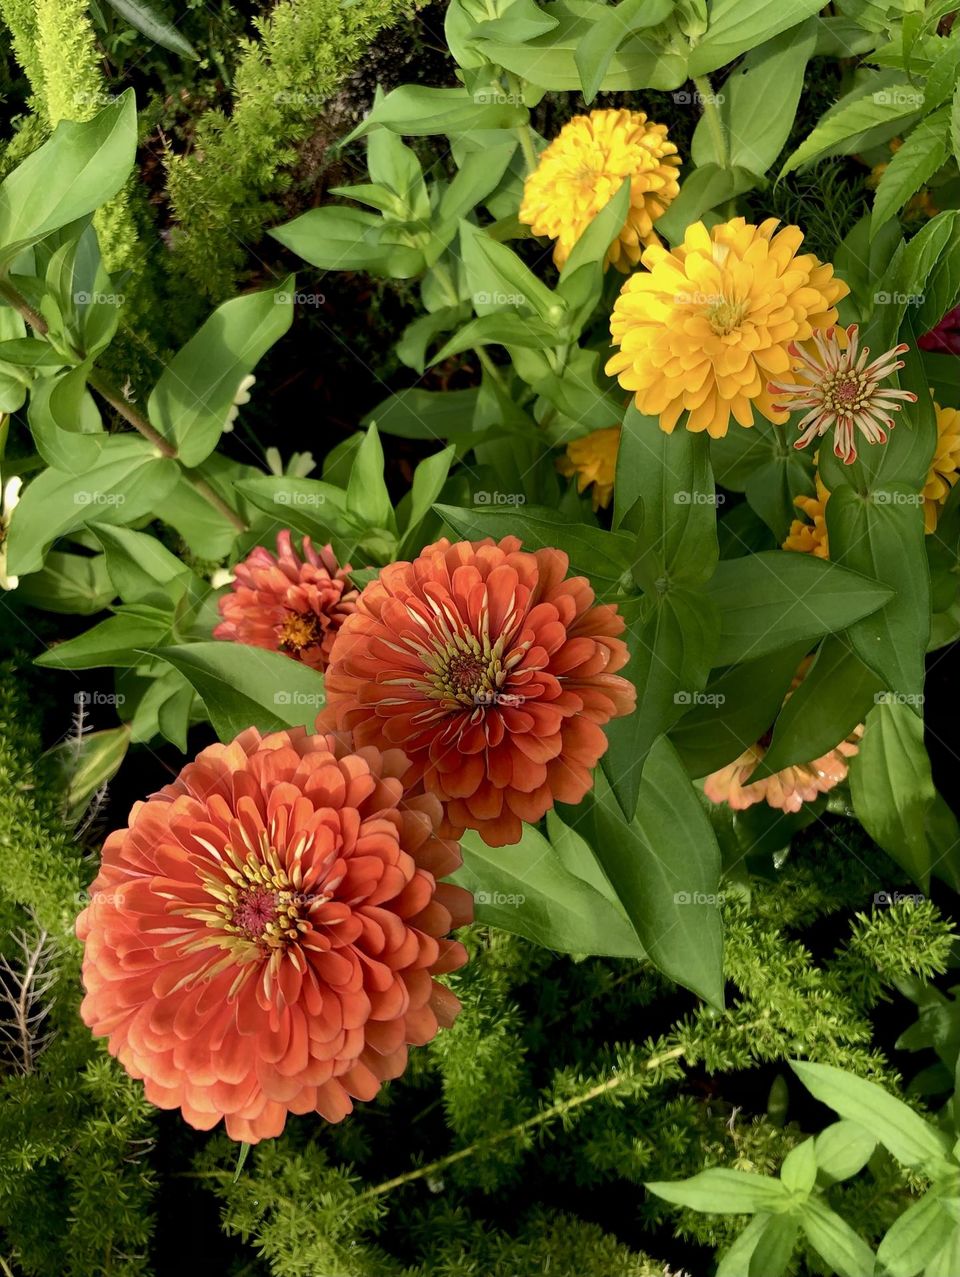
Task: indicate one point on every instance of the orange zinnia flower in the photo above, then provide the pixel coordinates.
(287, 603)
(493, 672)
(261, 939)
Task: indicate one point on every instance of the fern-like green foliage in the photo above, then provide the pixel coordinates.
(76, 1186)
(220, 192)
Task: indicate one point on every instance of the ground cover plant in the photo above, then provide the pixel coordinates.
(479, 554)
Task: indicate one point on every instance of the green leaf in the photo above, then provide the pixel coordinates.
(582, 274)
(836, 694)
(915, 1237)
(923, 151)
(86, 764)
(760, 98)
(426, 414)
(605, 35)
(121, 640)
(902, 1132)
(915, 278)
(762, 464)
(672, 646)
(892, 787)
(368, 500)
(530, 893)
(670, 476)
(601, 556)
(835, 1241)
(341, 238)
(549, 61)
(497, 279)
(845, 127)
(768, 601)
(72, 583)
(428, 480)
(137, 563)
(130, 480)
(579, 858)
(704, 189)
(245, 686)
(725, 1192)
(65, 422)
(842, 1149)
(882, 537)
(502, 329)
(418, 335)
(416, 111)
(78, 169)
(799, 1169)
(154, 26)
(736, 26)
(735, 709)
(190, 403)
(664, 866)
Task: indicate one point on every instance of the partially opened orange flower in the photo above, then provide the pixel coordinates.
(593, 459)
(786, 790)
(263, 937)
(809, 536)
(491, 670)
(286, 603)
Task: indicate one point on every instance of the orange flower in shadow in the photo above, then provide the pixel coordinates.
(493, 672)
(263, 937)
(288, 604)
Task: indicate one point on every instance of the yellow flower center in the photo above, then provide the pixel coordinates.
(726, 316)
(844, 392)
(300, 630)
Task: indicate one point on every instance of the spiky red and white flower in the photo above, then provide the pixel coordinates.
(840, 390)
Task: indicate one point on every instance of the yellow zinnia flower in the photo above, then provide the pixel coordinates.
(810, 538)
(705, 327)
(944, 466)
(593, 459)
(584, 167)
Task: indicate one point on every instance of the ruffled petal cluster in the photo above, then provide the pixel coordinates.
(809, 535)
(704, 327)
(584, 167)
(492, 671)
(288, 604)
(263, 937)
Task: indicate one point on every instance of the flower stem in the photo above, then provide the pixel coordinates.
(539, 1119)
(105, 388)
(524, 132)
(711, 113)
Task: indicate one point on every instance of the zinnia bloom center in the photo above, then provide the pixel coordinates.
(300, 630)
(725, 316)
(470, 677)
(257, 904)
